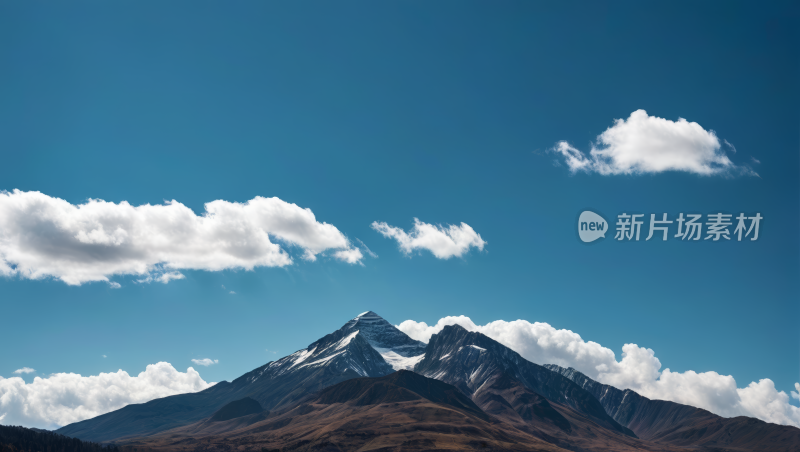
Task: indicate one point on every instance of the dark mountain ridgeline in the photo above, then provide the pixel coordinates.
(401, 386)
(468, 359)
(682, 425)
(503, 395)
(21, 439)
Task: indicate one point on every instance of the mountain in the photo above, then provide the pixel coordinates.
(467, 360)
(344, 354)
(401, 411)
(466, 389)
(682, 425)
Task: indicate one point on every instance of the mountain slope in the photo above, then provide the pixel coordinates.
(341, 355)
(682, 425)
(402, 411)
(506, 398)
(467, 360)
(401, 386)
(237, 408)
(156, 415)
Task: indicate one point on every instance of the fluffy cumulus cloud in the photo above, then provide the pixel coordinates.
(205, 361)
(42, 236)
(443, 241)
(24, 370)
(648, 144)
(64, 398)
(639, 369)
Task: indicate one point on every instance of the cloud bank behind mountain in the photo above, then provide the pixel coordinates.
(639, 369)
(64, 398)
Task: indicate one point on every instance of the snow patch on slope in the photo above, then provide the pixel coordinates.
(345, 340)
(397, 361)
(302, 355)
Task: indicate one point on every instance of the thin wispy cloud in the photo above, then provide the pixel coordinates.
(644, 144)
(43, 236)
(24, 370)
(639, 369)
(369, 252)
(161, 276)
(205, 361)
(443, 241)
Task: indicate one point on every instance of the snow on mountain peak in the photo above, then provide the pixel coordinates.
(366, 317)
(359, 346)
(396, 347)
(341, 351)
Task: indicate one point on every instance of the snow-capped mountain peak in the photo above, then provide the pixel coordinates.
(396, 347)
(367, 345)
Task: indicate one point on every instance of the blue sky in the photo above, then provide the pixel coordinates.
(367, 111)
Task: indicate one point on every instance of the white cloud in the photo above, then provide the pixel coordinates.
(64, 398)
(351, 256)
(443, 242)
(639, 369)
(205, 361)
(24, 370)
(161, 276)
(648, 144)
(232, 292)
(104, 356)
(42, 236)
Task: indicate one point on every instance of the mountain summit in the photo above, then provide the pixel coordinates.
(397, 349)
